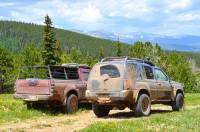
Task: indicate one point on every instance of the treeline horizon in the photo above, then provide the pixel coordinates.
(23, 45)
(15, 35)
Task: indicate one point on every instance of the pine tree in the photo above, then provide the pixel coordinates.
(31, 56)
(58, 51)
(49, 53)
(101, 53)
(119, 48)
(75, 55)
(6, 67)
(137, 50)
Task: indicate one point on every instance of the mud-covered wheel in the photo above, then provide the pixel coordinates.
(100, 110)
(143, 106)
(30, 105)
(178, 103)
(71, 104)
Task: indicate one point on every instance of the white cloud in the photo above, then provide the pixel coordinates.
(189, 16)
(124, 8)
(111, 15)
(89, 14)
(3, 18)
(178, 4)
(6, 4)
(83, 13)
(76, 13)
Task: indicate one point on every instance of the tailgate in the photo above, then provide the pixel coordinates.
(33, 86)
(106, 78)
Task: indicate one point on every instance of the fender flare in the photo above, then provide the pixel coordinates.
(141, 90)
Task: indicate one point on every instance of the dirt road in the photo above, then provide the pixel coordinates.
(70, 123)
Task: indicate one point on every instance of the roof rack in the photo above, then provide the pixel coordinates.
(74, 65)
(114, 58)
(125, 58)
(63, 65)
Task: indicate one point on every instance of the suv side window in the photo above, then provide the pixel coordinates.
(148, 72)
(159, 75)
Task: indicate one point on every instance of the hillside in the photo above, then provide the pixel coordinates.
(14, 35)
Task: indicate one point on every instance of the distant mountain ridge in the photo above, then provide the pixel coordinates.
(180, 43)
(15, 35)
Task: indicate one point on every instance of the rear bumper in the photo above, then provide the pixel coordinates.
(110, 97)
(28, 97)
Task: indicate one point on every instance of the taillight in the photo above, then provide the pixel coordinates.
(126, 84)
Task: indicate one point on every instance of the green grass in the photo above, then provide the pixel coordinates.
(187, 120)
(192, 99)
(12, 110)
(15, 110)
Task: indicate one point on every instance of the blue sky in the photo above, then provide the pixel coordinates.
(164, 17)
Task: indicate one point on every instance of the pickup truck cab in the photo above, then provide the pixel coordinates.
(64, 85)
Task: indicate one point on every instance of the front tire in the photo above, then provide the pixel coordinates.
(143, 106)
(100, 110)
(178, 103)
(71, 104)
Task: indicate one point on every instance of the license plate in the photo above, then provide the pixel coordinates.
(32, 98)
(103, 97)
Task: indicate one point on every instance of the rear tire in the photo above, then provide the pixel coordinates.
(71, 104)
(143, 106)
(100, 110)
(31, 105)
(178, 103)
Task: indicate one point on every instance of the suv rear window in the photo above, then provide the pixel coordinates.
(111, 70)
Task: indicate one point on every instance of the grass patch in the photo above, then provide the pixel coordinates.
(12, 110)
(171, 121)
(187, 120)
(192, 99)
(15, 110)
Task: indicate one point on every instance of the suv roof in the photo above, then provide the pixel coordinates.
(126, 58)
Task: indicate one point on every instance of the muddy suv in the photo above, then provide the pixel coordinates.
(54, 85)
(134, 83)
